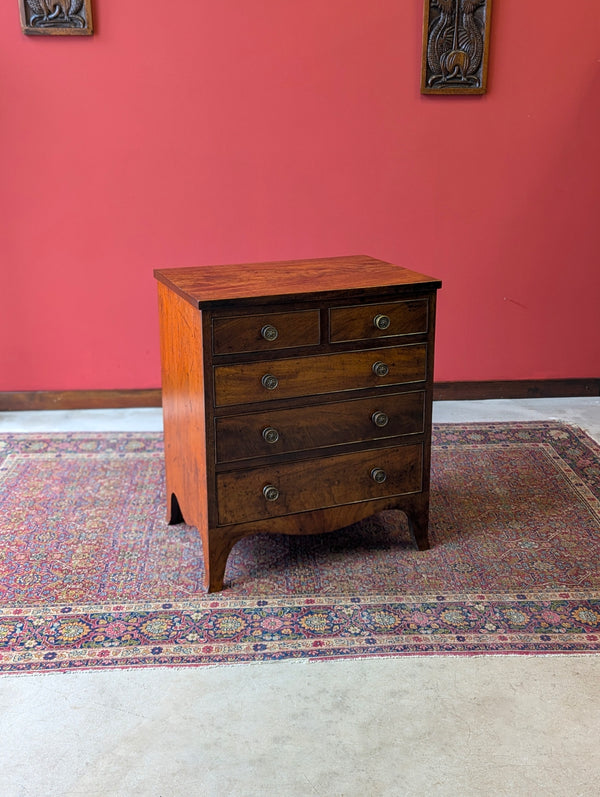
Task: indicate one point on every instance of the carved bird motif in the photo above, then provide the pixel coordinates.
(472, 40)
(436, 45)
(455, 45)
(49, 12)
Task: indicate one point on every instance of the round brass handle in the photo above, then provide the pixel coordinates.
(380, 419)
(269, 381)
(270, 434)
(270, 493)
(380, 369)
(269, 332)
(378, 475)
(381, 321)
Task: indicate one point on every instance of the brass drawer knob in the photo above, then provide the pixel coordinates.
(270, 493)
(270, 434)
(269, 332)
(381, 321)
(269, 381)
(380, 419)
(380, 369)
(378, 475)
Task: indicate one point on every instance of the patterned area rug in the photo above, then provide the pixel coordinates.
(91, 576)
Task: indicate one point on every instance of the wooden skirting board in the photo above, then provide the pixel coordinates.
(516, 389)
(78, 399)
(443, 391)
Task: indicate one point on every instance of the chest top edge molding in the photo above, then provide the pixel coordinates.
(206, 286)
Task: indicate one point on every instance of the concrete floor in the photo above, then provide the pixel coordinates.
(504, 725)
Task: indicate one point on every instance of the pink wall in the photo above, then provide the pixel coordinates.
(235, 131)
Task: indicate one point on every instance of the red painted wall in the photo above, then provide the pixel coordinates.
(214, 132)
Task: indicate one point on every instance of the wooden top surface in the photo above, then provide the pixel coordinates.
(301, 278)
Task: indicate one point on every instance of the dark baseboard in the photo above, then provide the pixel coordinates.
(443, 391)
(79, 399)
(516, 389)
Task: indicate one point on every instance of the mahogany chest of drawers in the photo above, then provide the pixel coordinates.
(296, 397)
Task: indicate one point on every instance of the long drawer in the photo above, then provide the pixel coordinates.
(268, 380)
(261, 434)
(248, 495)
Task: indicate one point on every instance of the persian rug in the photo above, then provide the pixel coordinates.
(91, 575)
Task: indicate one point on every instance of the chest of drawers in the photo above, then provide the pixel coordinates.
(296, 397)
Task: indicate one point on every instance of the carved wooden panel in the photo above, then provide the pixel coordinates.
(456, 35)
(56, 17)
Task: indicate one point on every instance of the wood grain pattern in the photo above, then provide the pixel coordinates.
(321, 426)
(183, 411)
(288, 279)
(244, 333)
(359, 321)
(331, 481)
(327, 373)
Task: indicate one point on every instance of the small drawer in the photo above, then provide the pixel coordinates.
(261, 434)
(378, 320)
(270, 380)
(265, 332)
(288, 488)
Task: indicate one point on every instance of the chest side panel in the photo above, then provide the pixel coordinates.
(183, 404)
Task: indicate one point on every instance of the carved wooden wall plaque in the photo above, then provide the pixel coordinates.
(456, 35)
(56, 17)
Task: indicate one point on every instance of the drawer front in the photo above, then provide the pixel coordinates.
(285, 489)
(265, 332)
(261, 434)
(378, 320)
(310, 376)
